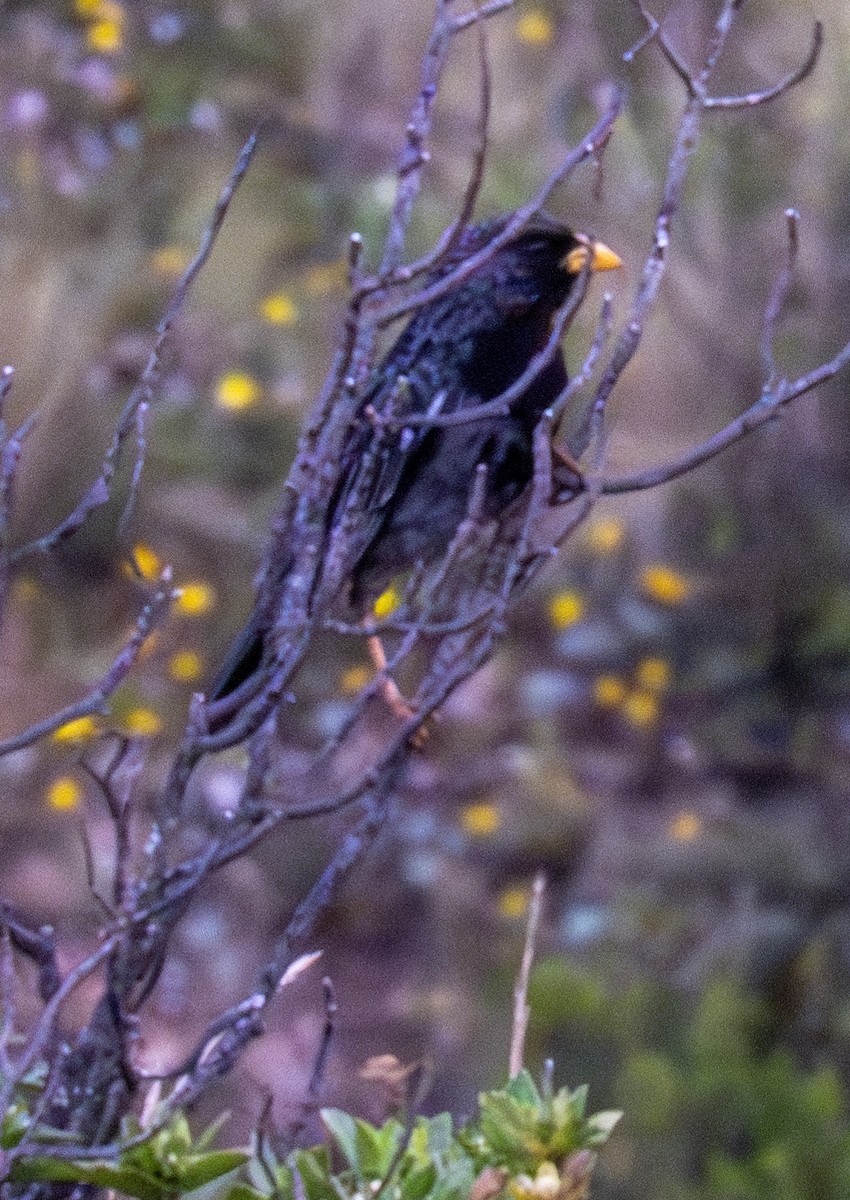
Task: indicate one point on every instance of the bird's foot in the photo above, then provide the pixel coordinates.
(567, 475)
(392, 695)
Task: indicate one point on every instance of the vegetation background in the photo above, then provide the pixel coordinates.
(666, 731)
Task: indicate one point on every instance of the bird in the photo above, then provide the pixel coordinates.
(462, 348)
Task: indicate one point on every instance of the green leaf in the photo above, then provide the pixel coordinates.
(377, 1148)
(124, 1179)
(16, 1122)
(523, 1089)
(197, 1169)
(343, 1129)
(243, 1191)
(314, 1170)
(600, 1126)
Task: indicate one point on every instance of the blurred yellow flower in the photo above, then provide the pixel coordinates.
(480, 820)
(78, 730)
(685, 827)
(387, 602)
(354, 679)
(171, 261)
(64, 794)
(653, 674)
(142, 722)
(91, 10)
(609, 691)
(237, 390)
(664, 584)
(106, 34)
(513, 903)
(606, 536)
(565, 608)
(194, 599)
(640, 708)
(185, 666)
(535, 28)
(148, 561)
(279, 309)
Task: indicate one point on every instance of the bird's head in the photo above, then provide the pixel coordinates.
(535, 269)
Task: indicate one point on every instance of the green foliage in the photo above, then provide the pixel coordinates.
(518, 1128)
(168, 1164)
(519, 1132)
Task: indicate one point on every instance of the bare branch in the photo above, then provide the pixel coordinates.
(416, 153)
(655, 33)
(132, 415)
(752, 99)
(767, 408)
(152, 615)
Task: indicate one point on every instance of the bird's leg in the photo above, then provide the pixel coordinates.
(567, 475)
(390, 690)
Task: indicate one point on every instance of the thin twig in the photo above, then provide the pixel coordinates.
(521, 1008)
(778, 297)
(142, 394)
(766, 408)
(151, 616)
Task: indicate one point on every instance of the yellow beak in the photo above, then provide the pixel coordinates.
(602, 257)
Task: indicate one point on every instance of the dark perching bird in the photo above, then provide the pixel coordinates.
(458, 351)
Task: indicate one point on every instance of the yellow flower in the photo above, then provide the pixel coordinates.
(606, 536)
(142, 722)
(194, 599)
(98, 10)
(185, 666)
(640, 708)
(387, 602)
(513, 903)
(535, 28)
(237, 390)
(685, 827)
(64, 794)
(653, 674)
(148, 561)
(354, 679)
(480, 820)
(279, 309)
(78, 730)
(106, 36)
(609, 691)
(664, 584)
(565, 608)
(170, 261)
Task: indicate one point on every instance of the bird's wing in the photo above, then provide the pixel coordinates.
(374, 457)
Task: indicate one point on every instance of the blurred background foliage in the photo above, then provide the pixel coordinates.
(667, 729)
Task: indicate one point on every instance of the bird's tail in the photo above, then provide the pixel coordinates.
(241, 661)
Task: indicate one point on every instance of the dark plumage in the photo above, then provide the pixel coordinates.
(461, 349)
